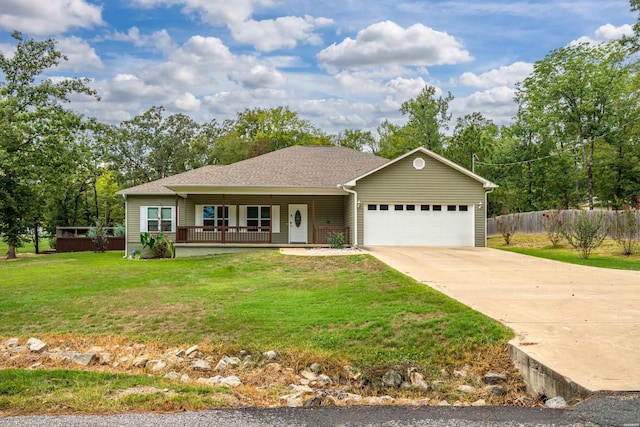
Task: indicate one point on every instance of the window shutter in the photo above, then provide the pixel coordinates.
(143, 219)
(233, 217)
(243, 215)
(275, 218)
(199, 219)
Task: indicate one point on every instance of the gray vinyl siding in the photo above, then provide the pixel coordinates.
(133, 215)
(329, 210)
(437, 183)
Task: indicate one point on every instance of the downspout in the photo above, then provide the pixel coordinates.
(355, 212)
(126, 227)
(485, 215)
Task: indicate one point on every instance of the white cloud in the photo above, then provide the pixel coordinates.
(506, 75)
(80, 55)
(283, 32)
(258, 76)
(606, 33)
(387, 43)
(204, 50)
(158, 39)
(48, 16)
(187, 102)
(496, 104)
(213, 12)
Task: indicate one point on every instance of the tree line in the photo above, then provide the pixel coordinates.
(575, 139)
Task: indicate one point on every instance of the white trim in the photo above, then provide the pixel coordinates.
(485, 183)
(200, 214)
(144, 220)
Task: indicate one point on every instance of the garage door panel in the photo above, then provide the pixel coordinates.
(418, 228)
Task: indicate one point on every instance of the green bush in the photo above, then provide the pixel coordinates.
(99, 236)
(585, 232)
(626, 229)
(336, 240)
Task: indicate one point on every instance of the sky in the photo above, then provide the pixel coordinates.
(341, 64)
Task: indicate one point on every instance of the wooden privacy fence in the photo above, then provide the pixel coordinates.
(75, 239)
(532, 222)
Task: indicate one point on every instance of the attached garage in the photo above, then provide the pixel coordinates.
(419, 199)
(408, 224)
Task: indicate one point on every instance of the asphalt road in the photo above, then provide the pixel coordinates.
(620, 410)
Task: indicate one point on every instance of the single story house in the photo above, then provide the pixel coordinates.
(300, 195)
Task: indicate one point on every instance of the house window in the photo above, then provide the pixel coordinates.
(463, 208)
(258, 216)
(399, 207)
(255, 216)
(451, 208)
(437, 207)
(411, 207)
(215, 216)
(372, 207)
(155, 219)
(424, 207)
(384, 207)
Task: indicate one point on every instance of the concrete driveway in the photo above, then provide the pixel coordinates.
(582, 322)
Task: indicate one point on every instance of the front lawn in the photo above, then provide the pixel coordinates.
(351, 307)
(609, 255)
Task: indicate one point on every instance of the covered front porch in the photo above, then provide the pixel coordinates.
(254, 219)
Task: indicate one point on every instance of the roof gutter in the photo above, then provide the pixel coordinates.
(355, 211)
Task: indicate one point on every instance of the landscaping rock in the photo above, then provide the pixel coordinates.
(381, 400)
(140, 362)
(556, 403)
(222, 364)
(12, 342)
(83, 359)
(466, 389)
(315, 368)
(156, 365)
(479, 402)
(270, 355)
(18, 348)
(201, 365)
(392, 379)
(36, 346)
(105, 358)
(190, 350)
(308, 375)
(444, 403)
(497, 391)
(325, 380)
(273, 368)
(417, 380)
(493, 379)
(231, 381)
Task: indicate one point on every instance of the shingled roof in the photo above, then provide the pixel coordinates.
(292, 167)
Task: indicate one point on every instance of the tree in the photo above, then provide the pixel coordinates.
(473, 136)
(151, 146)
(428, 116)
(33, 128)
(571, 96)
(259, 131)
(357, 140)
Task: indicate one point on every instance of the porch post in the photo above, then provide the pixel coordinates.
(313, 219)
(272, 218)
(177, 219)
(225, 218)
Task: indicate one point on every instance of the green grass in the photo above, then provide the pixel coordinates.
(26, 248)
(350, 307)
(607, 256)
(61, 391)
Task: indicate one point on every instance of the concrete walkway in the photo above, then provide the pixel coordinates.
(582, 322)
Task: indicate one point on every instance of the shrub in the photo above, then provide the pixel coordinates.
(99, 236)
(53, 241)
(119, 230)
(585, 232)
(552, 223)
(507, 226)
(625, 229)
(336, 240)
(159, 245)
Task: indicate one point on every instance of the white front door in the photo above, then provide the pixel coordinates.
(297, 223)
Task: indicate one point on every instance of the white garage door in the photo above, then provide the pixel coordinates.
(418, 225)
